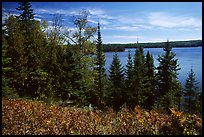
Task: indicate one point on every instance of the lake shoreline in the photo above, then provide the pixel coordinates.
(174, 44)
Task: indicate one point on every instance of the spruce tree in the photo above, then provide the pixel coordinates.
(7, 88)
(129, 81)
(150, 82)
(100, 70)
(138, 95)
(166, 77)
(116, 77)
(26, 41)
(198, 103)
(190, 93)
(26, 17)
(83, 50)
(15, 51)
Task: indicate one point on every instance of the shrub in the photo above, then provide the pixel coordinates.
(20, 117)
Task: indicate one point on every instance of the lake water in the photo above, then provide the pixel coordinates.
(187, 57)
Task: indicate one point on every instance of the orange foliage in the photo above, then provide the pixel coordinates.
(21, 117)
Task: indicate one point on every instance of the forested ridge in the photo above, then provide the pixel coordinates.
(37, 67)
(175, 44)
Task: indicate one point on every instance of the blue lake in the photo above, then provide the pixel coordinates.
(187, 57)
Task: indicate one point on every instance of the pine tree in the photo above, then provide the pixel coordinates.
(129, 81)
(26, 17)
(7, 88)
(129, 69)
(166, 77)
(117, 80)
(190, 92)
(83, 54)
(138, 96)
(26, 42)
(100, 63)
(198, 103)
(150, 82)
(15, 50)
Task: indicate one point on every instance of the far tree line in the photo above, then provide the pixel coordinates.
(175, 44)
(36, 64)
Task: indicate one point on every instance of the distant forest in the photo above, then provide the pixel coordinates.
(121, 47)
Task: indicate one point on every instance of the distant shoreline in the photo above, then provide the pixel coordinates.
(174, 44)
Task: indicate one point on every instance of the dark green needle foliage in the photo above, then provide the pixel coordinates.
(117, 83)
(150, 81)
(191, 99)
(138, 95)
(100, 78)
(166, 77)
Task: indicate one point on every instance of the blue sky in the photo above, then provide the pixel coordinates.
(124, 22)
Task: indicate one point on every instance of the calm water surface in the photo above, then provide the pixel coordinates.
(187, 57)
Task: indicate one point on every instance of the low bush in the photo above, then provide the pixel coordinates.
(20, 117)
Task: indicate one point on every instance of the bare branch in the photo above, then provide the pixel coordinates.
(67, 35)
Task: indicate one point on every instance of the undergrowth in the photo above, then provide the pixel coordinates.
(20, 117)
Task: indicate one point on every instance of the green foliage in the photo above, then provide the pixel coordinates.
(121, 47)
(129, 81)
(191, 93)
(7, 90)
(26, 18)
(50, 65)
(100, 78)
(150, 81)
(138, 95)
(166, 77)
(117, 83)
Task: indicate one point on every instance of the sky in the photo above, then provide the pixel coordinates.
(126, 22)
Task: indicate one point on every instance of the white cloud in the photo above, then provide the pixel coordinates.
(128, 27)
(99, 13)
(50, 22)
(96, 12)
(121, 39)
(166, 20)
(126, 37)
(92, 21)
(129, 19)
(102, 21)
(38, 19)
(37, 15)
(55, 11)
(190, 29)
(68, 12)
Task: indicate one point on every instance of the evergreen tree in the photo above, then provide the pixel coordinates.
(198, 103)
(166, 77)
(138, 96)
(26, 17)
(100, 77)
(190, 93)
(130, 70)
(26, 42)
(15, 50)
(83, 54)
(7, 89)
(116, 77)
(178, 95)
(129, 81)
(150, 82)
